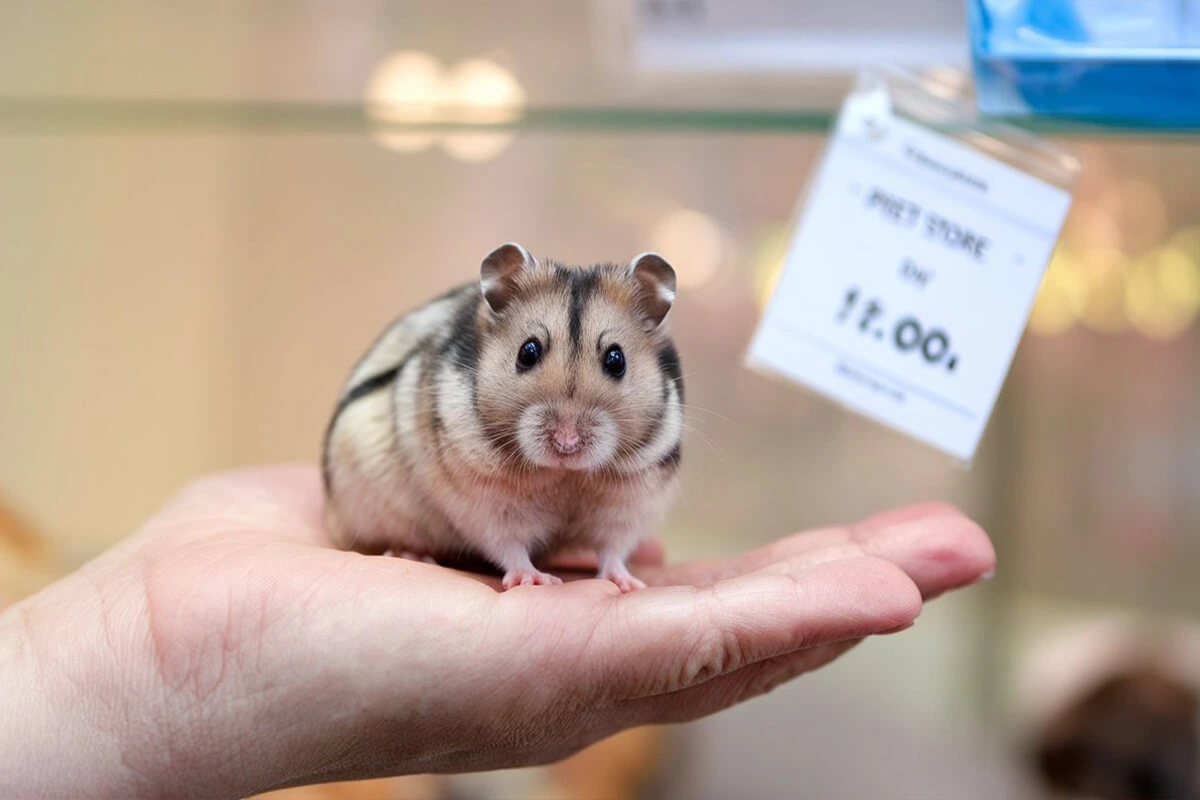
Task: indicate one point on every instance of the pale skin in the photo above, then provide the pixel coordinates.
(226, 648)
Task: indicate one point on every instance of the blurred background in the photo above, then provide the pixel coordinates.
(209, 209)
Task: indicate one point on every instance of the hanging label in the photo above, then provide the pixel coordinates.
(910, 276)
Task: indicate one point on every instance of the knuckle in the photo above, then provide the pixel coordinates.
(711, 651)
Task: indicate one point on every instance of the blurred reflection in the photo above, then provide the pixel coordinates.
(411, 87)
(1114, 711)
(481, 91)
(1133, 737)
(405, 88)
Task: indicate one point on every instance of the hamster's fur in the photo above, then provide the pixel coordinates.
(495, 421)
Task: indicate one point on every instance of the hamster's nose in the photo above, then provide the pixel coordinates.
(565, 437)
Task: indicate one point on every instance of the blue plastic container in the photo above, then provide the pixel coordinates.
(1126, 62)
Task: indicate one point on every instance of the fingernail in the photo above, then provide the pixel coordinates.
(899, 628)
(987, 576)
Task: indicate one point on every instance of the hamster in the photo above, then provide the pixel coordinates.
(536, 410)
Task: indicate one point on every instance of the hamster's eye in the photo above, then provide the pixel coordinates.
(614, 361)
(529, 354)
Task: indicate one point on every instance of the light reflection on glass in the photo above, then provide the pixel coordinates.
(404, 88)
(481, 91)
(413, 87)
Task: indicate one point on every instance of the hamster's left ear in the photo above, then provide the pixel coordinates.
(656, 287)
(499, 272)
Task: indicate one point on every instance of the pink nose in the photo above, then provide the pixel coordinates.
(565, 438)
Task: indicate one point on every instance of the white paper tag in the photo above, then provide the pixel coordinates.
(910, 276)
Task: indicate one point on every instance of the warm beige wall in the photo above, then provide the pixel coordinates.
(116, 268)
(115, 326)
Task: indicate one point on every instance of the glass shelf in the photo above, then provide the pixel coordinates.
(85, 115)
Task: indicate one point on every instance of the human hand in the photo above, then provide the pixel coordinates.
(226, 648)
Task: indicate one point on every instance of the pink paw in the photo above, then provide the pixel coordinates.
(529, 577)
(408, 555)
(623, 580)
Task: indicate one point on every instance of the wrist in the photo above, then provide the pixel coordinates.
(64, 731)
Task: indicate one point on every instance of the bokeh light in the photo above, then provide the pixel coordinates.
(1105, 272)
(1061, 297)
(1187, 240)
(770, 253)
(405, 88)
(1163, 293)
(482, 92)
(412, 87)
(692, 242)
(1179, 276)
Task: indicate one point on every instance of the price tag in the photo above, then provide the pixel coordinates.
(910, 276)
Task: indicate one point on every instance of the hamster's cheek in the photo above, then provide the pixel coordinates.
(605, 437)
(531, 425)
(643, 405)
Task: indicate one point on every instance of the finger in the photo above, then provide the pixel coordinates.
(737, 687)
(939, 547)
(936, 545)
(665, 639)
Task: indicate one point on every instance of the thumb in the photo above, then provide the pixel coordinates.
(663, 640)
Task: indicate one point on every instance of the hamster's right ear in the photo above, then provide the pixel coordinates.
(499, 272)
(656, 287)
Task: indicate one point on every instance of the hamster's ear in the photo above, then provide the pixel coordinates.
(656, 287)
(498, 274)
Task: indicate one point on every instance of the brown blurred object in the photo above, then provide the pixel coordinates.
(27, 562)
(618, 768)
(413, 787)
(1132, 737)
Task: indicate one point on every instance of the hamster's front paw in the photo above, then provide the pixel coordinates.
(618, 573)
(529, 577)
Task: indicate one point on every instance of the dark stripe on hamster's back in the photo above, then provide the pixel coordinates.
(462, 341)
(359, 391)
(669, 366)
(371, 385)
(584, 283)
(671, 371)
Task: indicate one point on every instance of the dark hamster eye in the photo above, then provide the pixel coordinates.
(614, 362)
(529, 354)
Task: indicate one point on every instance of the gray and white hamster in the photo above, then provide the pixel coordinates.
(536, 410)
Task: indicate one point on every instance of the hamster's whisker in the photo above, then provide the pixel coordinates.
(709, 411)
(708, 440)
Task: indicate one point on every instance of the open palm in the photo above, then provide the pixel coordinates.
(226, 648)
